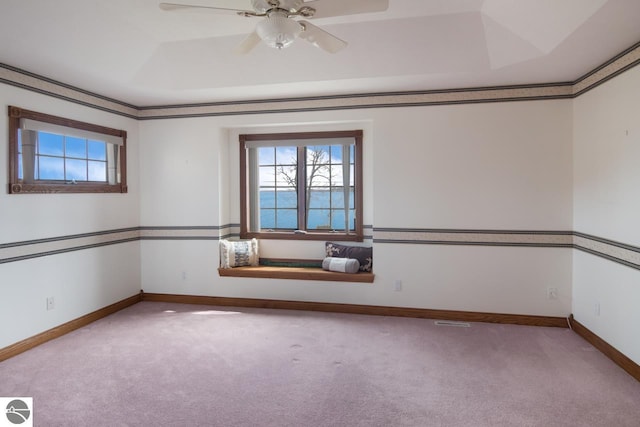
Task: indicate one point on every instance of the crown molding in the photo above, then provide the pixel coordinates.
(564, 90)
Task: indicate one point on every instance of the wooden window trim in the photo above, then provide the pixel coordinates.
(17, 186)
(356, 236)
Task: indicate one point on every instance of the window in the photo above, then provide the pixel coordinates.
(301, 186)
(57, 155)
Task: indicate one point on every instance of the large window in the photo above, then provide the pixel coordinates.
(301, 185)
(57, 155)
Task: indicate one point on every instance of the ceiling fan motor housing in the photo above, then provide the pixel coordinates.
(263, 6)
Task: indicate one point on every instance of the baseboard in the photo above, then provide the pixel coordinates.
(607, 349)
(65, 328)
(424, 313)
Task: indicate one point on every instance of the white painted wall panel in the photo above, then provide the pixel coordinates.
(605, 300)
(179, 172)
(472, 278)
(81, 281)
(606, 147)
(606, 158)
(490, 166)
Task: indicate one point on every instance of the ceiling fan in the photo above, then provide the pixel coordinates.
(279, 27)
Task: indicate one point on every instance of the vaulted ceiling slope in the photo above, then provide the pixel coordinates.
(137, 53)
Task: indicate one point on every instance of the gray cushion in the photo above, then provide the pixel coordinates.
(363, 254)
(342, 265)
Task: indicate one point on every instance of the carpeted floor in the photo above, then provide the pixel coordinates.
(158, 364)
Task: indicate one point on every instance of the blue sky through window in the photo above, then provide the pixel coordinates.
(75, 147)
(67, 158)
(50, 144)
(97, 150)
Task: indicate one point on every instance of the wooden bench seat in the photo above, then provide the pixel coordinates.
(298, 273)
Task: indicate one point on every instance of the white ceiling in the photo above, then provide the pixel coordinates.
(132, 51)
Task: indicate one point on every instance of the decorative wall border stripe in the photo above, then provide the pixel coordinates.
(36, 83)
(621, 253)
(28, 249)
(606, 241)
(20, 251)
(68, 237)
(617, 65)
(613, 251)
(181, 233)
(474, 237)
(383, 100)
(562, 90)
(64, 250)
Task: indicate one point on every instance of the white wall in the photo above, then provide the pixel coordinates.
(530, 165)
(80, 281)
(606, 150)
(489, 166)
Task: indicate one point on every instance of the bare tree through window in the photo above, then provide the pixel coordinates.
(320, 175)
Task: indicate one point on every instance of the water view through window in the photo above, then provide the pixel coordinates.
(328, 180)
(301, 185)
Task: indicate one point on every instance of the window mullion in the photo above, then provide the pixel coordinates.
(301, 174)
(64, 157)
(86, 157)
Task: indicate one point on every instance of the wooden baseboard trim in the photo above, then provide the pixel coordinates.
(468, 316)
(607, 349)
(65, 328)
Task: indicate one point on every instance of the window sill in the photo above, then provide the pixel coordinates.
(42, 188)
(310, 235)
(298, 273)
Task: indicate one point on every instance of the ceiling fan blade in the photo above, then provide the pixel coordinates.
(320, 38)
(174, 7)
(251, 41)
(328, 8)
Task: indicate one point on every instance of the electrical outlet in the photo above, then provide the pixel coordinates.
(596, 309)
(552, 293)
(184, 275)
(50, 303)
(397, 286)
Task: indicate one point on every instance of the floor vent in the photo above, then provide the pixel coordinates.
(451, 323)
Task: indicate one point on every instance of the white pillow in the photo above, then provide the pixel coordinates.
(238, 253)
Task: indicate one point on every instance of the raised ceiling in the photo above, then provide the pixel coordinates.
(132, 51)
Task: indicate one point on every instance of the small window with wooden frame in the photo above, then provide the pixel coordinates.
(50, 154)
(301, 186)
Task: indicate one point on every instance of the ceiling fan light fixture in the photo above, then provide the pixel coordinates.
(278, 31)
